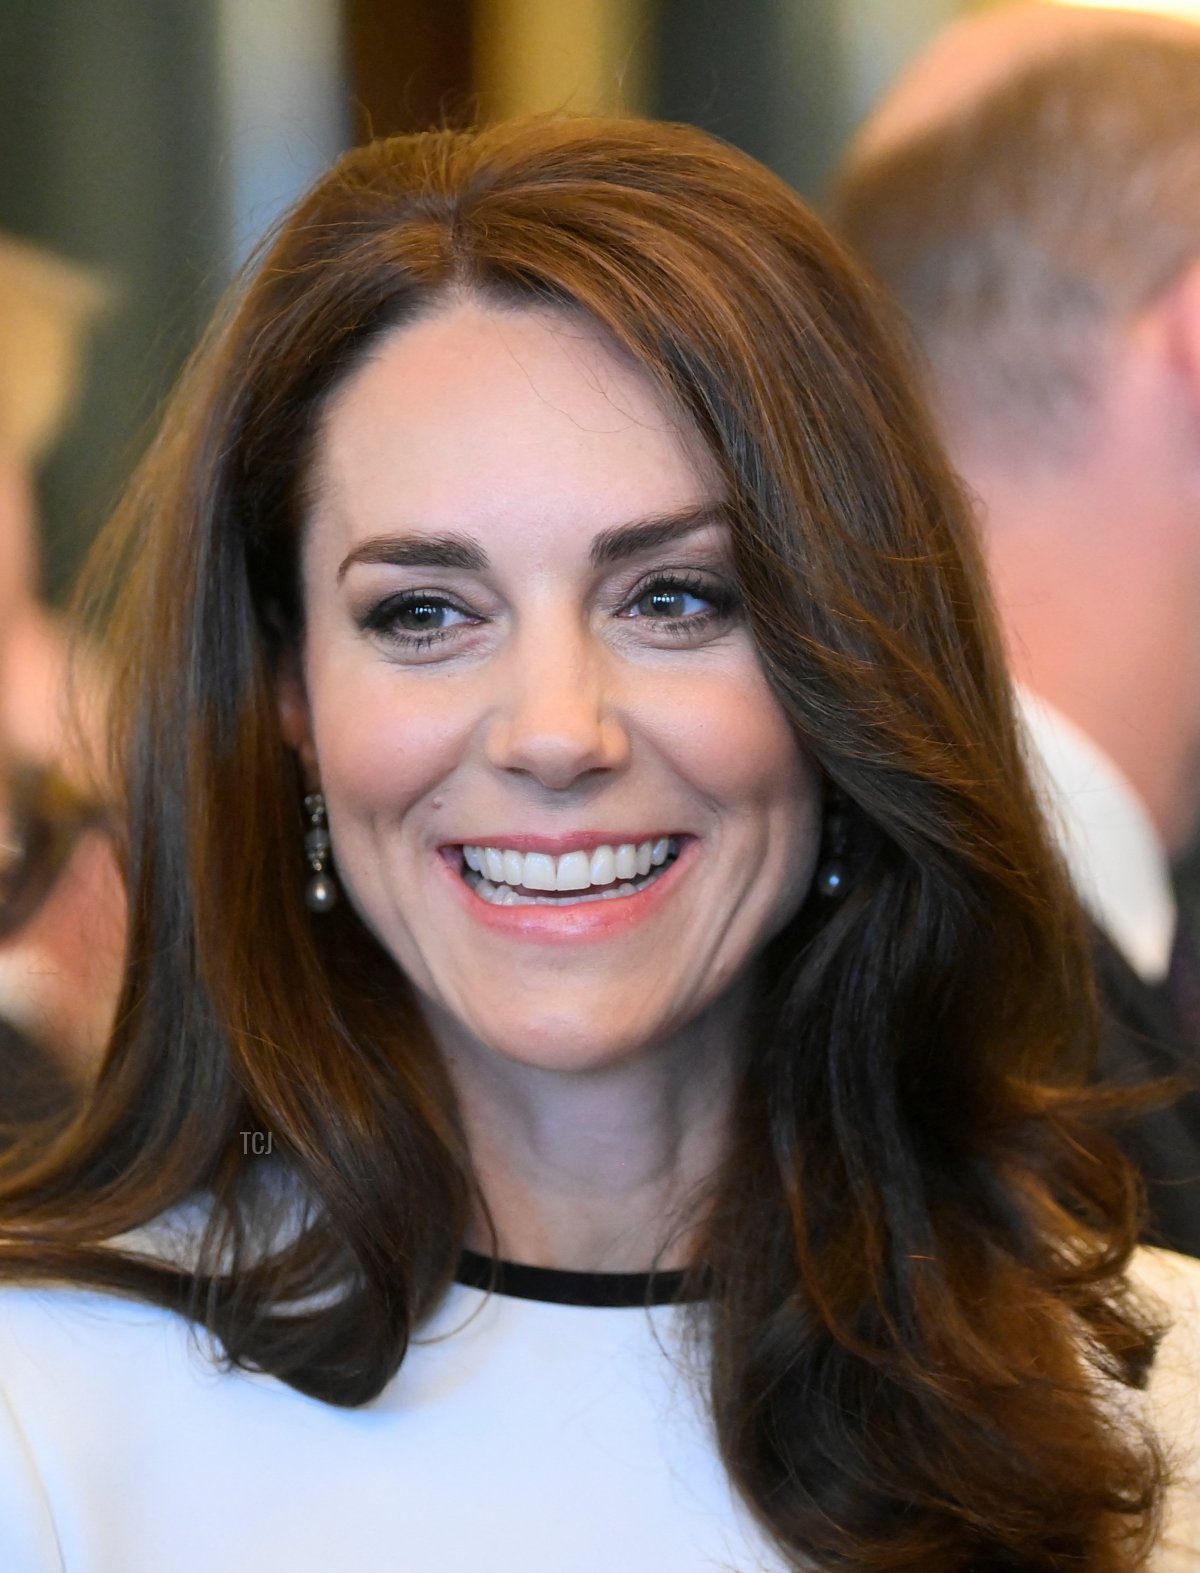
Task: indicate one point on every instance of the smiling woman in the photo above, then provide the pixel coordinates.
(658, 1139)
(545, 663)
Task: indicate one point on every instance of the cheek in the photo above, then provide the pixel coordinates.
(737, 749)
(381, 742)
(735, 742)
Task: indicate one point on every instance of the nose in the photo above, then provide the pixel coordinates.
(557, 717)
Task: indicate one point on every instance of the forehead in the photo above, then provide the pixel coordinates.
(483, 420)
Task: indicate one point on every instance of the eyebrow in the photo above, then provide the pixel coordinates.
(465, 552)
(416, 551)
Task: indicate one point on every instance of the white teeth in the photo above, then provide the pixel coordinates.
(505, 896)
(627, 861)
(540, 872)
(504, 872)
(604, 866)
(574, 871)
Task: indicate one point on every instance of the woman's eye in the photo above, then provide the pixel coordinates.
(415, 619)
(423, 617)
(681, 607)
(673, 602)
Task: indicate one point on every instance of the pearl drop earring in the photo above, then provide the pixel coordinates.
(321, 891)
(832, 873)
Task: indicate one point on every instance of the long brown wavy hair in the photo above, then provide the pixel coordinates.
(912, 1256)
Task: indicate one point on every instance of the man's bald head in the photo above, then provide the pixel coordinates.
(1031, 182)
(1030, 193)
(974, 56)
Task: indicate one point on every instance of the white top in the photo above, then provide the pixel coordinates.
(1111, 846)
(519, 1436)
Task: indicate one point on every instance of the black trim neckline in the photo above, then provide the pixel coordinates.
(563, 1286)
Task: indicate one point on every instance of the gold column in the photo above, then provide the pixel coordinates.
(584, 56)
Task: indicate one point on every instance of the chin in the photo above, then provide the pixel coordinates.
(570, 1040)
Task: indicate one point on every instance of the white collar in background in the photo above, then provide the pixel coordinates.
(1112, 849)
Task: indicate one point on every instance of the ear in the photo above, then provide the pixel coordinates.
(295, 717)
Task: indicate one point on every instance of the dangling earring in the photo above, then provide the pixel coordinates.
(832, 873)
(321, 891)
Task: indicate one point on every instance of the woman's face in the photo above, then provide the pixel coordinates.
(561, 792)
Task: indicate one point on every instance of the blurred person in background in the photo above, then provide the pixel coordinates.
(61, 905)
(1030, 194)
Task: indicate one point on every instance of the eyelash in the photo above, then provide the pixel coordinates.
(721, 598)
(382, 618)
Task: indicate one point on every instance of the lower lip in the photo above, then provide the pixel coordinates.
(583, 921)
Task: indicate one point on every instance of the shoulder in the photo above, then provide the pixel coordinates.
(96, 1393)
(67, 1350)
(1169, 1286)
(72, 1363)
(1167, 1275)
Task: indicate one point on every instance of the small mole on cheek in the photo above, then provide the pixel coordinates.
(437, 802)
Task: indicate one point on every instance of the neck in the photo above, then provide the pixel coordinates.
(599, 1170)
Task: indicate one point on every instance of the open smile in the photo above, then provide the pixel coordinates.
(583, 909)
(506, 877)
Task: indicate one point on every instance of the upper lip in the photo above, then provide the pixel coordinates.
(556, 846)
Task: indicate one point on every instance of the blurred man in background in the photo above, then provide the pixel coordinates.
(46, 307)
(1030, 193)
(61, 906)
